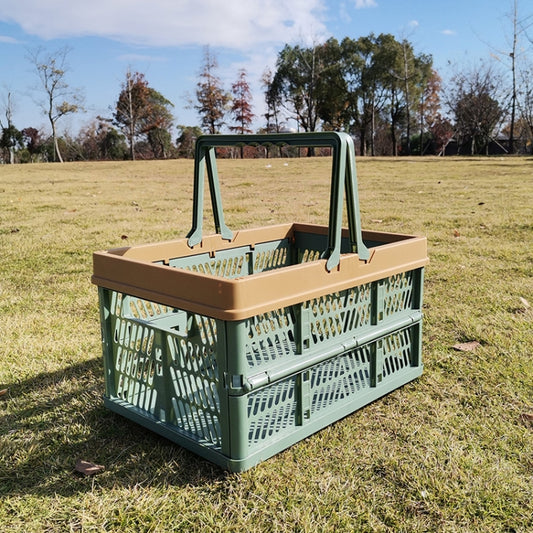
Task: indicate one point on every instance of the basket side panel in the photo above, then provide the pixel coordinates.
(283, 412)
(321, 323)
(163, 362)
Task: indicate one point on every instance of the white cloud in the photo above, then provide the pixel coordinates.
(448, 32)
(229, 23)
(8, 40)
(361, 4)
(414, 23)
(133, 58)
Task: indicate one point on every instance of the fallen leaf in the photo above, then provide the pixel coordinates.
(88, 469)
(124, 237)
(376, 220)
(481, 203)
(456, 233)
(3, 392)
(524, 307)
(527, 418)
(470, 346)
(525, 303)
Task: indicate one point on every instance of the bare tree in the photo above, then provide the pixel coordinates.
(510, 59)
(61, 99)
(525, 101)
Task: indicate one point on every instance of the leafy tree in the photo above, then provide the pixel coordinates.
(158, 124)
(413, 74)
(33, 140)
(186, 140)
(160, 142)
(48, 148)
(439, 129)
(88, 140)
(392, 80)
(140, 110)
(332, 92)
(130, 108)
(392, 65)
(273, 103)
(365, 71)
(349, 86)
(441, 133)
(113, 145)
(211, 97)
(295, 84)
(429, 104)
(10, 140)
(308, 85)
(99, 141)
(61, 99)
(241, 107)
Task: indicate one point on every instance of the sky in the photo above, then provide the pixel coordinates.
(166, 39)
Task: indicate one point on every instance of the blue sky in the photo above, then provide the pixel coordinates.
(165, 40)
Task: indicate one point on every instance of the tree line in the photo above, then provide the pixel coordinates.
(378, 88)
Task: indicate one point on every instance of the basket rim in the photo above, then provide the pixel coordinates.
(133, 270)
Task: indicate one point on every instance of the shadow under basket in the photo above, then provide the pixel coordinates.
(237, 349)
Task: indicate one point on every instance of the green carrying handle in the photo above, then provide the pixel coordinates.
(343, 173)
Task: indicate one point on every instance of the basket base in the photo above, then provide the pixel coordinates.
(274, 446)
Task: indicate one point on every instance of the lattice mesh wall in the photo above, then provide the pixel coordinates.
(398, 352)
(136, 362)
(271, 410)
(171, 375)
(273, 335)
(333, 383)
(397, 293)
(238, 262)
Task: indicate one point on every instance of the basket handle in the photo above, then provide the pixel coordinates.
(343, 177)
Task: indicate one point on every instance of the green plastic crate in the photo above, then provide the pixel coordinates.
(239, 378)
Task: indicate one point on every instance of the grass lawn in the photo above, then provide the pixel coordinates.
(452, 451)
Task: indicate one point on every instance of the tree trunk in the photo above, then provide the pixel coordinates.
(513, 69)
(362, 141)
(394, 140)
(57, 152)
(373, 128)
(422, 126)
(407, 101)
(132, 122)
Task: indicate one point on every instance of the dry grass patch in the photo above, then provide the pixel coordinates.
(449, 452)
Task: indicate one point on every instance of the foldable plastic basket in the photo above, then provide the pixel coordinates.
(237, 345)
